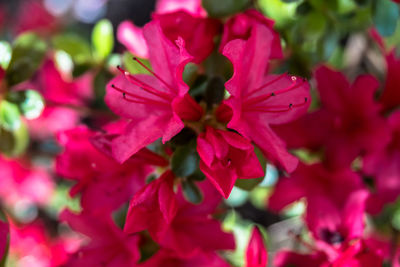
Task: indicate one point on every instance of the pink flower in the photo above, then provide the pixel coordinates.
(154, 104)
(131, 36)
(390, 97)
(153, 207)
(347, 125)
(257, 100)
(108, 246)
(4, 236)
(285, 258)
(34, 247)
(334, 213)
(168, 258)
(198, 34)
(256, 253)
(63, 96)
(383, 167)
(32, 16)
(192, 6)
(333, 224)
(176, 224)
(241, 25)
(226, 156)
(104, 183)
(21, 181)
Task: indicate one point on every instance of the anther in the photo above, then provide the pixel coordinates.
(273, 94)
(290, 105)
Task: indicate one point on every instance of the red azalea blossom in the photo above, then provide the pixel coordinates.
(347, 125)
(158, 102)
(176, 224)
(108, 246)
(241, 25)
(257, 100)
(226, 156)
(383, 167)
(104, 183)
(256, 253)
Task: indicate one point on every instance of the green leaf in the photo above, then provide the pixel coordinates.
(27, 55)
(33, 104)
(103, 38)
(279, 11)
(191, 192)
(223, 8)
(215, 91)
(74, 45)
(10, 118)
(5, 54)
(14, 143)
(132, 66)
(185, 161)
(385, 17)
(99, 84)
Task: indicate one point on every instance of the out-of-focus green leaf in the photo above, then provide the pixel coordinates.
(5, 54)
(185, 161)
(279, 11)
(64, 61)
(385, 17)
(215, 91)
(33, 104)
(103, 38)
(324, 5)
(191, 192)
(27, 55)
(132, 66)
(223, 8)
(314, 25)
(74, 45)
(99, 84)
(13, 143)
(10, 118)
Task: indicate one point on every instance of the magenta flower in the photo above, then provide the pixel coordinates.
(241, 25)
(347, 125)
(176, 224)
(168, 258)
(24, 182)
(257, 100)
(104, 183)
(108, 245)
(383, 167)
(256, 252)
(226, 156)
(198, 34)
(334, 213)
(155, 104)
(192, 6)
(153, 207)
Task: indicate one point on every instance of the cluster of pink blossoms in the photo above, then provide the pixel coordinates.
(169, 155)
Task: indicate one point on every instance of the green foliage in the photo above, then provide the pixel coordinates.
(185, 161)
(132, 66)
(5, 54)
(385, 17)
(223, 8)
(27, 55)
(30, 103)
(191, 192)
(103, 38)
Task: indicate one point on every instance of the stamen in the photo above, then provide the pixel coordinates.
(140, 99)
(154, 74)
(144, 86)
(276, 108)
(294, 85)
